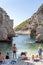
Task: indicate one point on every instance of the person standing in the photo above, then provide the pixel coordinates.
(40, 51)
(14, 51)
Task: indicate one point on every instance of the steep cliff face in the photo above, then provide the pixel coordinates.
(6, 25)
(3, 33)
(33, 23)
(37, 24)
(35, 20)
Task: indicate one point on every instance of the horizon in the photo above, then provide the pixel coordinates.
(20, 10)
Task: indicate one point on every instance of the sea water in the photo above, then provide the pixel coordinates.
(23, 43)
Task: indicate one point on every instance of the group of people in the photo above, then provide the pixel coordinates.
(2, 58)
(22, 55)
(39, 56)
(40, 50)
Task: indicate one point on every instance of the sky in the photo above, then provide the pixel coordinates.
(20, 10)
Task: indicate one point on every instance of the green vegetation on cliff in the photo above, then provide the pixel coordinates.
(37, 16)
(22, 26)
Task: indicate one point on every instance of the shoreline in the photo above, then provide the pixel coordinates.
(27, 32)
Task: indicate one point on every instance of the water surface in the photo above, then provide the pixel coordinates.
(23, 43)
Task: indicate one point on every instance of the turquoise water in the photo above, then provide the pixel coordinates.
(5, 47)
(23, 43)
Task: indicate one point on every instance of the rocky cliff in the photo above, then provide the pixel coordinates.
(6, 25)
(33, 23)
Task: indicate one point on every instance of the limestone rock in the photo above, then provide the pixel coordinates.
(39, 32)
(6, 25)
(39, 38)
(3, 33)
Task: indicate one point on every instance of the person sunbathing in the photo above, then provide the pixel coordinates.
(35, 58)
(7, 56)
(1, 58)
(32, 57)
(23, 56)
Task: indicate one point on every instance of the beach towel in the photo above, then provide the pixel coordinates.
(13, 61)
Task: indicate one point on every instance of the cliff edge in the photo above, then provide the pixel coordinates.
(6, 26)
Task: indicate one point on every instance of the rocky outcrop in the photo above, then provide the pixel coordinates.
(35, 24)
(6, 25)
(39, 32)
